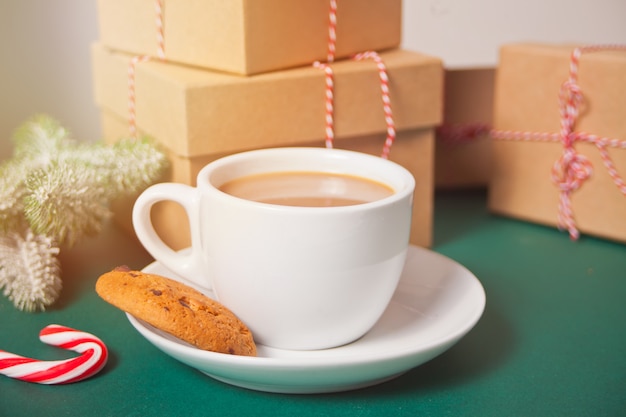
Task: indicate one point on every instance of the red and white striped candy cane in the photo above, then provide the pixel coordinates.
(93, 357)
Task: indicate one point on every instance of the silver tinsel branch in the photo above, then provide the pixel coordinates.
(55, 191)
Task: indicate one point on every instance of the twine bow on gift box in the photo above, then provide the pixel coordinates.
(572, 169)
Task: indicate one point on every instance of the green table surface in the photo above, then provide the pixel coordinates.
(551, 342)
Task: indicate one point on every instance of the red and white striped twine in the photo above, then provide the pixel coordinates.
(332, 31)
(462, 133)
(572, 169)
(158, 8)
(384, 88)
(330, 85)
(93, 357)
(329, 103)
(160, 42)
(132, 111)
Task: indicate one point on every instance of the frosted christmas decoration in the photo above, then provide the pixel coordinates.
(56, 191)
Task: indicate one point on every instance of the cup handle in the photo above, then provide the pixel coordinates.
(189, 265)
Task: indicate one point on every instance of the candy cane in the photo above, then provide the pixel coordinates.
(92, 359)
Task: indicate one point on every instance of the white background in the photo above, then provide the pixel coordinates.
(467, 33)
(45, 65)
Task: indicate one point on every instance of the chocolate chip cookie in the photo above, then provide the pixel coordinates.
(176, 309)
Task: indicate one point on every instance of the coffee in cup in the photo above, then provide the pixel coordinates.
(307, 189)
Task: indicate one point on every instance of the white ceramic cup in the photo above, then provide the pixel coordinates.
(301, 278)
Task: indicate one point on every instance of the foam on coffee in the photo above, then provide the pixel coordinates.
(307, 189)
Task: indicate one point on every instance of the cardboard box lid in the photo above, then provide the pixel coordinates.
(249, 36)
(195, 112)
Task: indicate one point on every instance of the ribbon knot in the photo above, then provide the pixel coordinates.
(569, 173)
(571, 170)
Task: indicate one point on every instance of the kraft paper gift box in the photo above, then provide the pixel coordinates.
(529, 79)
(249, 36)
(200, 115)
(463, 145)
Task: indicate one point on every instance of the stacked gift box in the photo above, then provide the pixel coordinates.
(229, 76)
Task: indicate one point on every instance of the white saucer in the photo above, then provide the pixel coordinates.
(437, 302)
